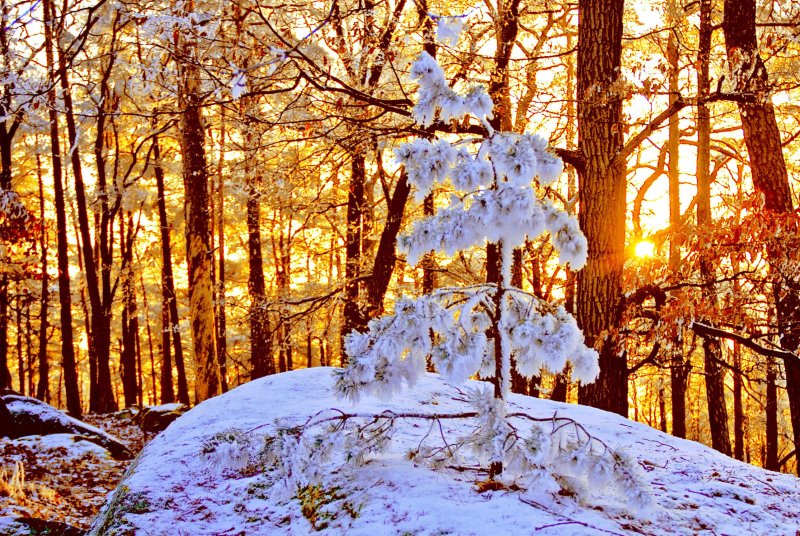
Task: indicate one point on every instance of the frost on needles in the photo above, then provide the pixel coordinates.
(468, 331)
(476, 329)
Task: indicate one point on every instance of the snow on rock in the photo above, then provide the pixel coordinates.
(154, 419)
(164, 408)
(64, 445)
(172, 488)
(30, 416)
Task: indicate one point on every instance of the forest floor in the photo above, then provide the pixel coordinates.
(55, 478)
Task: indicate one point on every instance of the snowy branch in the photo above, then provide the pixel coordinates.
(709, 331)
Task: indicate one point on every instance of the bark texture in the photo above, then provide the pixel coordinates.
(198, 236)
(356, 206)
(602, 199)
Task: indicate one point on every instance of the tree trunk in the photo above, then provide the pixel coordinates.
(287, 349)
(282, 252)
(771, 410)
(506, 30)
(167, 390)
(602, 199)
(64, 291)
(5, 373)
(715, 396)
(20, 359)
(738, 406)
(679, 373)
(100, 324)
(7, 134)
(519, 384)
(222, 328)
(428, 261)
(501, 383)
(170, 328)
(139, 371)
(385, 258)
(261, 361)
(43, 387)
(677, 363)
(31, 359)
(662, 409)
(309, 345)
(104, 232)
(355, 317)
(130, 322)
(153, 381)
(560, 388)
(770, 178)
(198, 238)
(352, 318)
(712, 352)
(561, 381)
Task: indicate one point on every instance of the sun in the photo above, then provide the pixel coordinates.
(645, 249)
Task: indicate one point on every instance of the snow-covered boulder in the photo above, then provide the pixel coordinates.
(155, 419)
(180, 486)
(31, 417)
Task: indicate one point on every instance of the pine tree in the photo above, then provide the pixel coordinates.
(476, 329)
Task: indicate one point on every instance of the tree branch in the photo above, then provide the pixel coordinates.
(649, 360)
(708, 331)
(786, 458)
(635, 141)
(572, 157)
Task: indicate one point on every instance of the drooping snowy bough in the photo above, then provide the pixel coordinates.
(467, 331)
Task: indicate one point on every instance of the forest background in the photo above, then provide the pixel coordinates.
(198, 194)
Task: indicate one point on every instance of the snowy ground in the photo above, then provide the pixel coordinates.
(173, 489)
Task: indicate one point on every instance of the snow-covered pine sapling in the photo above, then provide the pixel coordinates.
(477, 329)
(466, 331)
